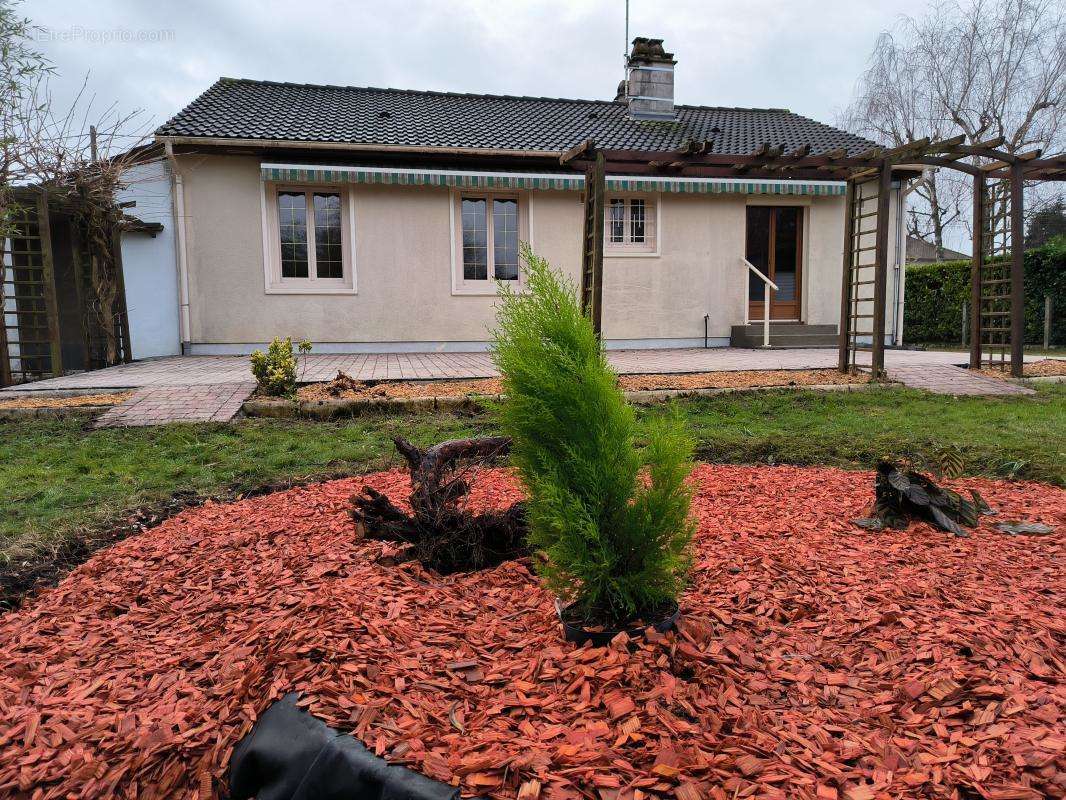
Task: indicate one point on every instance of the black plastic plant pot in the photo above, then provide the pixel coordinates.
(291, 755)
(577, 633)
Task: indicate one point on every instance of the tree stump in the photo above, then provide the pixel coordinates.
(443, 533)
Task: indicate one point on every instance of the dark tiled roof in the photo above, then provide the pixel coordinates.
(247, 109)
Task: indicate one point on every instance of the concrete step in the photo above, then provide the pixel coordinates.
(784, 335)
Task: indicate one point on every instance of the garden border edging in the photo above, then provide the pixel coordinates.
(50, 412)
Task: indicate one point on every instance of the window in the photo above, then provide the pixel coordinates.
(631, 224)
(308, 247)
(489, 229)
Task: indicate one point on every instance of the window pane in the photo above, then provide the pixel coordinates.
(505, 239)
(786, 251)
(328, 259)
(636, 221)
(292, 226)
(475, 239)
(616, 221)
(758, 249)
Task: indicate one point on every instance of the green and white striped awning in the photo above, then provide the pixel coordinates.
(394, 176)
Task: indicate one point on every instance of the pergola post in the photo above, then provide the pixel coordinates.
(844, 346)
(1017, 270)
(592, 244)
(980, 189)
(877, 350)
(48, 278)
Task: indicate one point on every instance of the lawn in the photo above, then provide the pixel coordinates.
(62, 484)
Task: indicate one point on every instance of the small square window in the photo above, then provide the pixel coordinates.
(630, 226)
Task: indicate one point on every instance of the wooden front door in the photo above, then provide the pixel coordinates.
(775, 246)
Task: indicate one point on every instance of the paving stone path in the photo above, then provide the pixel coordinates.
(944, 379)
(159, 405)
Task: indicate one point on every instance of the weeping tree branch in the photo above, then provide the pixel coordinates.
(978, 67)
(82, 165)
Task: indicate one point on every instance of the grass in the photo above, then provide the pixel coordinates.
(61, 483)
(1006, 437)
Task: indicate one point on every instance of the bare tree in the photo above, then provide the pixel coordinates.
(984, 68)
(21, 67)
(80, 156)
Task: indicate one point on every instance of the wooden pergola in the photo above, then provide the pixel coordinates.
(48, 278)
(997, 295)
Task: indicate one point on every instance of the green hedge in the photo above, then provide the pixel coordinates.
(936, 293)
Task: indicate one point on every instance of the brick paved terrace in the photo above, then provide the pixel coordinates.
(213, 388)
(198, 370)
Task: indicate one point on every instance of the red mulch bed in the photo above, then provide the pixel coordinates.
(815, 659)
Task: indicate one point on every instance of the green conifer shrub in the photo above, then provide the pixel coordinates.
(611, 520)
(275, 370)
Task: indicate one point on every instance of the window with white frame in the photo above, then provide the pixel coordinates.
(488, 229)
(630, 223)
(309, 248)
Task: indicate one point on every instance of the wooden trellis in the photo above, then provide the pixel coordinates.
(31, 336)
(991, 274)
(864, 274)
(29, 344)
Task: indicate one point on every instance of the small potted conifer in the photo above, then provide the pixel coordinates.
(610, 521)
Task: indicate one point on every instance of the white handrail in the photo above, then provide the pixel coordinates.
(766, 301)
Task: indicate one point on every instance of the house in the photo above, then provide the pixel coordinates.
(920, 251)
(374, 220)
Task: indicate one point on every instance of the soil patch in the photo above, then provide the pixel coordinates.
(741, 380)
(813, 659)
(110, 399)
(345, 388)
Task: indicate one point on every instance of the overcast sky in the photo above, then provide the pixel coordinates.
(804, 55)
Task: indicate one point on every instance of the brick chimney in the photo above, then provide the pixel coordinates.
(649, 85)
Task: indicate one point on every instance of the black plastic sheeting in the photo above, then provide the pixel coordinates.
(291, 755)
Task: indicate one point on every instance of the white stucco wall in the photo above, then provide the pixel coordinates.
(148, 263)
(403, 265)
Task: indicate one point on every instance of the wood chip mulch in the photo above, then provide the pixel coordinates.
(1037, 369)
(346, 388)
(741, 380)
(109, 399)
(814, 659)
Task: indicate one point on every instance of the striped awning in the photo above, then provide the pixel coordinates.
(397, 176)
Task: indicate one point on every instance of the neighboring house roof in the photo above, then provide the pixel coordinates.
(920, 251)
(247, 109)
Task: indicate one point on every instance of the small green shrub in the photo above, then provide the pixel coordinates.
(275, 370)
(612, 521)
